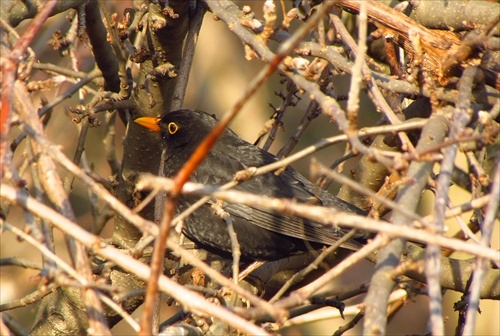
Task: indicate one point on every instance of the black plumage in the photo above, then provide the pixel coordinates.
(262, 234)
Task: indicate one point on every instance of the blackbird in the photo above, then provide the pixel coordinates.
(262, 234)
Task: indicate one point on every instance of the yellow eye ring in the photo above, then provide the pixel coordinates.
(172, 128)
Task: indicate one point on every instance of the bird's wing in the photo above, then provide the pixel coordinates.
(289, 184)
(291, 226)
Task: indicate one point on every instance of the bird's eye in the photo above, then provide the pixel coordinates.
(172, 128)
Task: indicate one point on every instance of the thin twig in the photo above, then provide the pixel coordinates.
(312, 266)
(9, 68)
(318, 169)
(481, 264)
(433, 262)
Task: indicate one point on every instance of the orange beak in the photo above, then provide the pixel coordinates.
(149, 122)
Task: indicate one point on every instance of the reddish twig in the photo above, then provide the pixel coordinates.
(9, 72)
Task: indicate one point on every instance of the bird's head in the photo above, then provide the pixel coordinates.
(182, 127)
